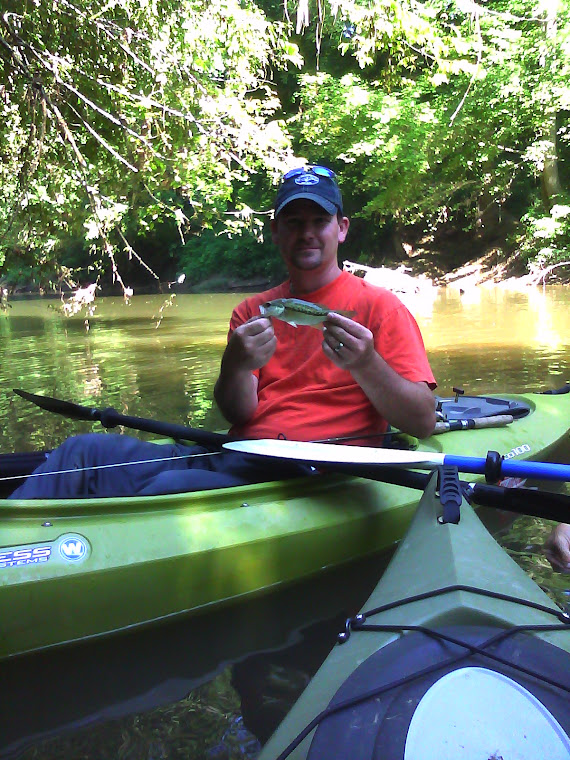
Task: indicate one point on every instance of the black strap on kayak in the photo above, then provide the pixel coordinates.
(450, 494)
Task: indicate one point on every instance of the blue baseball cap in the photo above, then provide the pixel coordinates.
(313, 183)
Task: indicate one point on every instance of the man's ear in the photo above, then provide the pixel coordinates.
(343, 226)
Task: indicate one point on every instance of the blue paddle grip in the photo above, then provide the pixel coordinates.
(512, 468)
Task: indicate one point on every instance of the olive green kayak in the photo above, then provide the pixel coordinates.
(457, 653)
(75, 569)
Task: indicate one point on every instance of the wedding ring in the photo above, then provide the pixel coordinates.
(336, 349)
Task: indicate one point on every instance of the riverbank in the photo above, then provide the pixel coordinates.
(490, 268)
(418, 270)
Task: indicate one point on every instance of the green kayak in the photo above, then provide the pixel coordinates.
(75, 569)
(457, 653)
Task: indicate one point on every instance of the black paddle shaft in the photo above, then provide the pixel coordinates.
(110, 418)
(525, 501)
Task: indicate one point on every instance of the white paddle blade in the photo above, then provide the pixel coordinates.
(335, 453)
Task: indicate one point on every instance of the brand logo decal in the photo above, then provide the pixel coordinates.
(73, 549)
(307, 179)
(518, 451)
(29, 555)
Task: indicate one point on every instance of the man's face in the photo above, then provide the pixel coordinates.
(307, 236)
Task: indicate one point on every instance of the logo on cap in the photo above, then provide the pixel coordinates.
(307, 179)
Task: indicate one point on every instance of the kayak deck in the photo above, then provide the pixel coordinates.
(76, 569)
(365, 694)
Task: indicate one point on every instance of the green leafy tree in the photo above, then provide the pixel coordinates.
(114, 118)
(133, 127)
(463, 125)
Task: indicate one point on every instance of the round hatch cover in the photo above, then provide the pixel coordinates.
(476, 712)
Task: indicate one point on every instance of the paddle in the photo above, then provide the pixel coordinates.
(110, 418)
(493, 467)
(316, 453)
(549, 506)
(524, 501)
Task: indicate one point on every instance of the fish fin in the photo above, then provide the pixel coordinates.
(293, 324)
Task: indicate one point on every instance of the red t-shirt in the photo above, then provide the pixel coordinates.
(301, 393)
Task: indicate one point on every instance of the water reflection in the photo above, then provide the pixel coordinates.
(124, 360)
(498, 339)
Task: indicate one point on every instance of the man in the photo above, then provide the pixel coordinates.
(353, 378)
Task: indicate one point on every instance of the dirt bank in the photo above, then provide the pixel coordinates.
(491, 268)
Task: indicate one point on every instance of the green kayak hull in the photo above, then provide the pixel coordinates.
(373, 682)
(76, 569)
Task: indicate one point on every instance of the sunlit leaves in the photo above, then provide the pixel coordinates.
(150, 110)
(468, 102)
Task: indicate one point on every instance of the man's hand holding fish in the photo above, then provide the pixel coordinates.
(251, 345)
(347, 343)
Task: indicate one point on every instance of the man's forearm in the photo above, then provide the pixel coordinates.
(236, 395)
(406, 405)
(249, 348)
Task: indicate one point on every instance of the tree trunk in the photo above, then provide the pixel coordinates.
(550, 179)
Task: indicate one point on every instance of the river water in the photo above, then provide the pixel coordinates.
(158, 357)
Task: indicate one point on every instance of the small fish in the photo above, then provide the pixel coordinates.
(295, 312)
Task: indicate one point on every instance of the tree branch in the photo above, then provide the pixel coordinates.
(102, 140)
(131, 252)
(543, 273)
(473, 76)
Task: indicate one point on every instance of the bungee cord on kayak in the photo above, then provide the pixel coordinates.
(470, 650)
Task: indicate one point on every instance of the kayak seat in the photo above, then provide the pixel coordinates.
(474, 407)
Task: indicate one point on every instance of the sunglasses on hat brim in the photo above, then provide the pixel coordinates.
(320, 171)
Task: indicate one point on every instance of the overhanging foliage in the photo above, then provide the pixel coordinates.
(133, 126)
